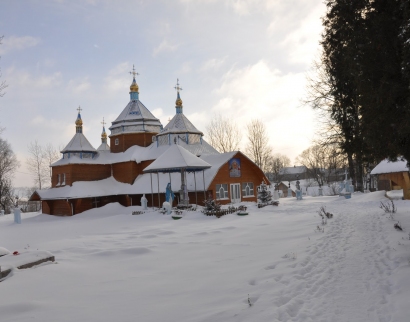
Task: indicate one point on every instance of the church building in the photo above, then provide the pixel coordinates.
(86, 178)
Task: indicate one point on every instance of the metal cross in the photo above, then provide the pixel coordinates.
(133, 73)
(79, 109)
(177, 86)
(103, 123)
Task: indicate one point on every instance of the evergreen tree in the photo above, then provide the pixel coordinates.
(404, 36)
(383, 92)
(341, 40)
(264, 195)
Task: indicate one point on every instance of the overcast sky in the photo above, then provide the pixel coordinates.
(245, 59)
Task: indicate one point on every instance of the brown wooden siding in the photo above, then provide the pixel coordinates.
(45, 208)
(80, 172)
(127, 140)
(125, 171)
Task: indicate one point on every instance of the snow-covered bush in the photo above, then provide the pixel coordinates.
(264, 195)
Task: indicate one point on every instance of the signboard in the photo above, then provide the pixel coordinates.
(234, 168)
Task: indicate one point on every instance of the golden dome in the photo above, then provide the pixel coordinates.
(178, 102)
(79, 122)
(134, 87)
(104, 135)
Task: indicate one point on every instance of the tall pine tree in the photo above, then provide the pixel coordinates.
(341, 41)
(383, 92)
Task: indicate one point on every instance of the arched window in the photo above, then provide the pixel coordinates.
(221, 191)
(247, 189)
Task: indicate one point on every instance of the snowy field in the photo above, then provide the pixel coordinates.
(112, 266)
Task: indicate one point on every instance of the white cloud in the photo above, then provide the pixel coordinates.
(303, 43)
(165, 46)
(117, 79)
(259, 92)
(25, 79)
(213, 64)
(13, 43)
(79, 85)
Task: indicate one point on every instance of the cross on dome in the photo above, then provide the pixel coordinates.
(133, 72)
(103, 123)
(177, 86)
(79, 121)
(178, 102)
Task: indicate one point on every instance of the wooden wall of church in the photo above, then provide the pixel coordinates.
(125, 171)
(80, 172)
(127, 140)
(56, 207)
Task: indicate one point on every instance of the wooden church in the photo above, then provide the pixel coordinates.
(86, 177)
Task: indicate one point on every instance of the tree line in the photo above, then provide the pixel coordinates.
(361, 81)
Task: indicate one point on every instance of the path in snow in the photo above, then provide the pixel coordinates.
(344, 277)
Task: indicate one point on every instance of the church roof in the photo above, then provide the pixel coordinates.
(180, 124)
(135, 117)
(79, 143)
(137, 153)
(104, 147)
(135, 111)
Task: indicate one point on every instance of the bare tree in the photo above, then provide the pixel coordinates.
(275, 166)
(3, 84)
(223, 134)
(322, 161)
(258, 148)
(51, 155)
(8, 165)
(36, 164)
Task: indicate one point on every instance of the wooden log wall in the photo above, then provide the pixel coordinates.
(127, 140)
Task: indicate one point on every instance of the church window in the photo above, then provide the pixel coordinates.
(247, 189)
(117, 141)
(222, 191)
(63, 179)
(58, 180)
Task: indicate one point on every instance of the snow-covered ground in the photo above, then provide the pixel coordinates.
(112, 266)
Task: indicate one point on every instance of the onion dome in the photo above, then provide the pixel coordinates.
(104, 146)
(178, 102)
(79, 122)
(134, 89)
(135, 118)
(181, 131)
(79, 145)
(134, 86)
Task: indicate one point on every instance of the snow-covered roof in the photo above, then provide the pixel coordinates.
(176, 158)
(79, 143)
(180, 124)
(137, 153)
(104, 147)
(141, 185)
(133, 114)
(387, 166)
